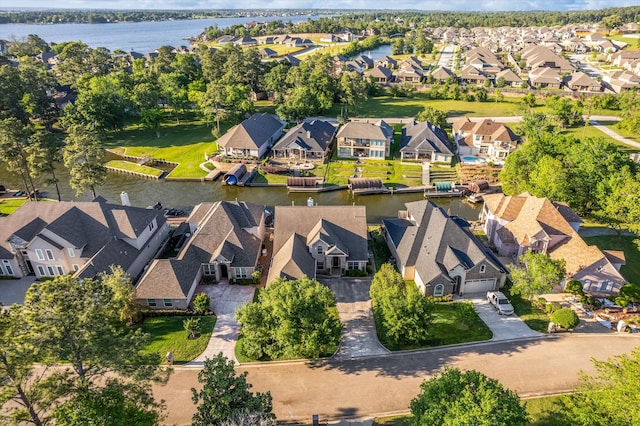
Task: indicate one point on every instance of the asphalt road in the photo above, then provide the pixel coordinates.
(356, 388)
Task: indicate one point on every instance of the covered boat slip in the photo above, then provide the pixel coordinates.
(361, 186)
(234, 176)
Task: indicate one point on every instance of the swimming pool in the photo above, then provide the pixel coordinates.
(470, 159)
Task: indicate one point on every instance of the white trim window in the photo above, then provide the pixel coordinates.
(7, 267)
(241, 273)
(40, 254)
(353, 264)
(168, 303)
(41, 270)
(50, 271)
(75, 267)
(152, 303)
(60, 269)
(49, 254)
(320, 264)
(319, 249)
(209, 269)
(483, 269)
(71, 252)
(438, 290)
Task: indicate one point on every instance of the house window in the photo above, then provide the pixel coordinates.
(151, 226)
(1, 270)
(49, 254)
(242, 272)
(438, 290)
(71, 252)
(75, 267)
(483, 269)
(320, 264)
(603, 285)
(40, 254)
(50, 271)
(209, 269)
(168, 303)
(353, 265)
(60, 270)
(151, 303)
(320, 250)
(41, 271)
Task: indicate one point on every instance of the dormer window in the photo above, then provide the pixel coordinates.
(483, 269)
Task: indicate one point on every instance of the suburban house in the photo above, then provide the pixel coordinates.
(521, 223)
(253, 137)
(581, 82)
(310, 140)
(471, 75)
(621, 81)
(387, 62)
(225, 244)
(485, 139)
(440, 253)
(442, 74)
(79, 238)
(381, 75)
(363, 139)
(426, 142)
(509, 77)
(410, 71)
(311, 240)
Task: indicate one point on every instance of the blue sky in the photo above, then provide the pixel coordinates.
(469, 5)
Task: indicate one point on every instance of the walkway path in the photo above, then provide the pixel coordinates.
(613, 134)
(225, 299)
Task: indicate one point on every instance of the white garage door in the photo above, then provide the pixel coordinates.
(479, 286)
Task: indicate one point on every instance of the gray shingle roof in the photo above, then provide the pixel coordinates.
(424, 137)
(313, 135)
(362, 130)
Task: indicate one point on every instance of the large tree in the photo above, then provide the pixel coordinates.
(457, 398)
(291, 319)
(13, 151)
(433, 116)
(400, 308)
(226, 397)
(536, 274)
(84, 158)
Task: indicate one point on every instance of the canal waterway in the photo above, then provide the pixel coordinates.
(185, 195)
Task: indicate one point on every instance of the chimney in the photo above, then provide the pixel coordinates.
(124, 199)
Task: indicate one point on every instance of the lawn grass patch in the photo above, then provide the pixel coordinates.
(631, 247)
(168, 335)
(8, 205)
(593, 132)
(448, 327)
(402, 420)
(532, 316)
(386, 106)
(128, 166)
(185, 143)
(378, 246)
(546, 411)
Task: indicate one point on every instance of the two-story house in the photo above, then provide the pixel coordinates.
(311, 240)
(225, 244)
(79, 238)
(439, 252)
(308, 141)
(517, 224)
(484, 139)
(360, 139)
(425, 142)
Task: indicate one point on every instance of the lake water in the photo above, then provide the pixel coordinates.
(142, 37)
(378, 53)
(184, 195)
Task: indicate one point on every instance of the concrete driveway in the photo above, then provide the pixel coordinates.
(225, 299)
(13, 291)
(504, 327)
(359, 337)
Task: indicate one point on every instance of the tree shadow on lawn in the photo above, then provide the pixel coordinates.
(170, 136)
(417, 363)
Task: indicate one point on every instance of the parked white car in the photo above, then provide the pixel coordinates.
(500, 302)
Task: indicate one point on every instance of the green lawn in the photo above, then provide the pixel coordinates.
(391, 172)
(448, 327)
(168, 335)
(8, 205)
(270, 178)
(634, 43)
(185, 143)
(543, 411)
(133, 167)
(385, 106)
(631, 247)
(530, 314)
(592, 132)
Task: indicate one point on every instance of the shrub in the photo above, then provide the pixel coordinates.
(355, 273)
(540, 303)
(255, 276)
(192, 327)
(201, 303)
(565, 318)
(574, 287)
(552, 307)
